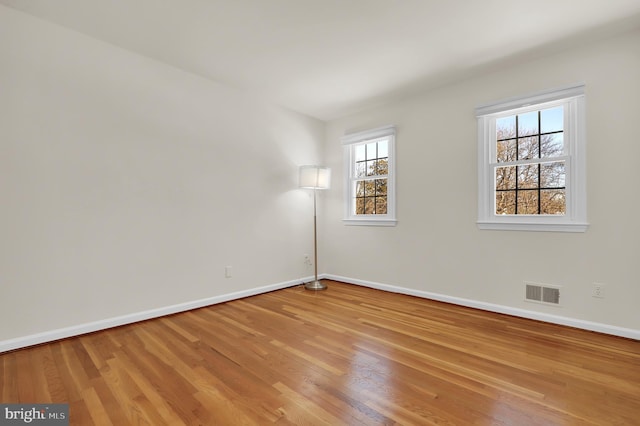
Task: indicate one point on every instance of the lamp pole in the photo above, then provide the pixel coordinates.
(315, 235)
(315, 285)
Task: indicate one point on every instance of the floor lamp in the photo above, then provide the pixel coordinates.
(315, 177)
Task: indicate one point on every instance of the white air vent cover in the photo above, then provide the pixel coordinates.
(542, 293)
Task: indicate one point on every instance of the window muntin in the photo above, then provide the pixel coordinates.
(531, 163)
(369, 165)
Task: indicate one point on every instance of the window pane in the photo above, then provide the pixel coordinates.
(552, 145)
(528, 176)
(360, 188)
(359, 152)
(361, 169)
(552, 175)
(506, 177)
(369, 206)
(528, 123)
(506, 150)
(381, 205)
(359, 205)
(383, 149)
(371, 167)
(528, 148)
(369, 188)
(506, 202)
(506, 127)
(552, 201)
(372, 151)
(527, 202)
(552, 120)
(381, 187)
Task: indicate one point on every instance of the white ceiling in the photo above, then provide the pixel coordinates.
(329, 58)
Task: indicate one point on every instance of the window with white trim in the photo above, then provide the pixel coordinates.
(370, 177)
(531, 163)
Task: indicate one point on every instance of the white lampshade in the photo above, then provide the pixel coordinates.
(315, 177)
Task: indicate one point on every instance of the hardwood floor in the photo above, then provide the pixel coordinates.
(346, 356)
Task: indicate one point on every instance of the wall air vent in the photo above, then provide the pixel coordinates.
(542, 293)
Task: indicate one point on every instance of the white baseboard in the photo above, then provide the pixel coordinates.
(523, 313)
(62, 333)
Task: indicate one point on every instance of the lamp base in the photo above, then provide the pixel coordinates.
(315, 285)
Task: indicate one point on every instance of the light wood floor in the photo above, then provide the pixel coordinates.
(345, 356)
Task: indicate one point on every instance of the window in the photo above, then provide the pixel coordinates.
(531, 163)
(369, 172)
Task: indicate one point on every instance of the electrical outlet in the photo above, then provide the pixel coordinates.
(228, 271)
(598, 290)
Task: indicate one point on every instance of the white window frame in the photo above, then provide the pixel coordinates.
(349, 143)
(575, 217)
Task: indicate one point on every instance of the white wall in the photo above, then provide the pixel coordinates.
(128, 185)
(437, 248)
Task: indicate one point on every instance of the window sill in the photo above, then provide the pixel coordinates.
(540, 227)
(370, 222)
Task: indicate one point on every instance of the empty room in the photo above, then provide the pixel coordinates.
(304, 212)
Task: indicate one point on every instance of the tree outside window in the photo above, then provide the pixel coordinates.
(531, 183)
